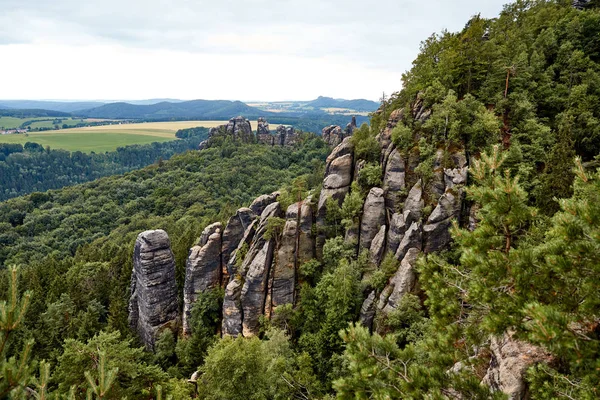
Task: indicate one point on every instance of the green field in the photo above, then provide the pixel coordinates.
(107, 138)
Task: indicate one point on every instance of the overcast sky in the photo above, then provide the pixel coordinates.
(217, 49)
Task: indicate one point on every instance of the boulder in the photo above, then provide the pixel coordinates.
(203, 270)
(373, 217)
(510, 360)
(153, 305)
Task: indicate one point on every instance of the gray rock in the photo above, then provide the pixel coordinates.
(402, 283)
(510, 360)
(262, 127)
(411, 239)
(368, 310)
(455, 176)
(414, 203)
(153, 304)
(232, 308)
(236, 257)
(373, 217)
(255, 271)
(340, 173)
(284, 274)
(240, 129)
(395, 233)
(437, 229)
(351, 127)
(377, 247)
(385, 137)
(581, 4)
(437, 185)
(202, 270)
(232, 235)
(261, 202)
(394, 181)
(332, 135)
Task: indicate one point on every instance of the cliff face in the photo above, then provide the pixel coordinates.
(256, 257)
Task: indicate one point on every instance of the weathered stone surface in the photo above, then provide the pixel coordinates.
(414, 203)
(153, 304)
(437, 185)
(581, 4)
(232, 309)
(401, 283)
(340, 173)
(395, 233)
(202, 270)
(351, 127)
(338, 170)
(436, 230)
(208, 231)
(455, 176)
(242, 305)
(373, 217)
(240, 128)
(261, 202)
(262, 127)
(332, 135)
(510, 360)
(393, 181)
(385, 137)
(232, 235)
(377, 247)
(284, 274)
(368, 310)
(236, 256)
(419, 111)
(411, 239)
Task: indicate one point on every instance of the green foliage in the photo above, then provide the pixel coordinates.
(245, 368)
(134, 377)
(365, 146)
(274, 228)
(380, 277)
(204, 322)
(369, 176)
(403, 137)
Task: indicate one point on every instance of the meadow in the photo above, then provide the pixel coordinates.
(108, 137)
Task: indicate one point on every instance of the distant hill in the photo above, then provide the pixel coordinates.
(201, 109)
(31, 113)
(357, 104)
(63, 106)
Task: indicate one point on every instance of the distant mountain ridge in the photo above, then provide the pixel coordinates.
(204, 109)
(62, 106)
(356, 104)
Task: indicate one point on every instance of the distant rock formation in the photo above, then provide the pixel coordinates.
(153, 304)
(263, 134)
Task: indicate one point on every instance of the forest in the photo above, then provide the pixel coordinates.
(33, 168)
(501, 264)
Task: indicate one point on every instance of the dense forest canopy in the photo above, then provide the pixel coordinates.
(514, 98)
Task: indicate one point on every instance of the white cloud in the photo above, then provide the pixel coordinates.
(251, 49)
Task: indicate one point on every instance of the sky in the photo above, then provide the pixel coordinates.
(245, 50)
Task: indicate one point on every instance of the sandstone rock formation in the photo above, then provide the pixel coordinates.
(203, 270)
(401, 283)
(332, 135)
(510, 360)
(263, 134)
(153, 304)
(373, 217)
(232, 236)
(261, 202)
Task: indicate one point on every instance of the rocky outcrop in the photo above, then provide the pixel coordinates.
(377, 246)
(286, 136)
(263, 134)
(203, 270)
(296, 247)
(581, 4)
(232, 236)
(510, 360)
(351, 127)
(437, 228)
(385, 137)
(336, 184)
(394, 183)
(402, 283)
(395, 233)
(373, 217)
(413, 205)
(256, 270)
(238, 128)
(246, 293)
(261, 202)
(153, 304)
(332, 135)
